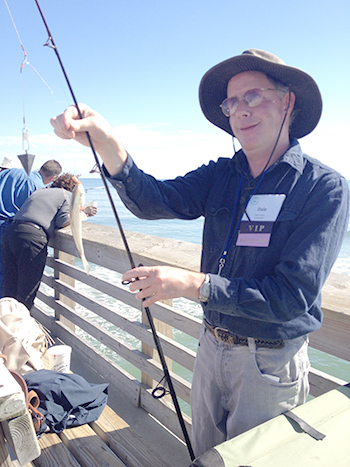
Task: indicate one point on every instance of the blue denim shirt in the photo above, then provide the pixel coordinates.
(268, 293)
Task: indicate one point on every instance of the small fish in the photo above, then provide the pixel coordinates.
(76, 216)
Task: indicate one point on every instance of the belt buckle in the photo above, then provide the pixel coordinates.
(222, 334)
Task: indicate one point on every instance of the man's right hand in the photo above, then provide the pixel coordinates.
(69, 125)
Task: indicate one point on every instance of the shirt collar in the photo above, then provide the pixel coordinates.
(293, 156)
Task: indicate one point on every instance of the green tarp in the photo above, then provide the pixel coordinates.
(281, 442)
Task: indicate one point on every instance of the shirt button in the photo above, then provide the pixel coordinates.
(129, 179)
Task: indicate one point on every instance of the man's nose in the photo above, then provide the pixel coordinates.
(243, 109)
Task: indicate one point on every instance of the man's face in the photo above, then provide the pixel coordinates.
(256, 128)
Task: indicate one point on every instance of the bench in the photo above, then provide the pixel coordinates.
(109, 441)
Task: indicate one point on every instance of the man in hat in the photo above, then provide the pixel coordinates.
(274, 223)
(15, 188)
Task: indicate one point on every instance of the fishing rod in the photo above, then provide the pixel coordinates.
(50, 42)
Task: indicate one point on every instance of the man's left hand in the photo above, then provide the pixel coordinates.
(163, 283)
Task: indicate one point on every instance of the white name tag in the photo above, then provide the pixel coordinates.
(257, 221)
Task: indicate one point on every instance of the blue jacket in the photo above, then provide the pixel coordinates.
(66, 400)
(15, 188)
(267, 293)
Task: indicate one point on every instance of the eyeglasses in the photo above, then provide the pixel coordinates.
(252, 98)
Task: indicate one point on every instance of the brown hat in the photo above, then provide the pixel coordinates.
(308, 100)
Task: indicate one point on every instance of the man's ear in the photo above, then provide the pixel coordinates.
(289, 97)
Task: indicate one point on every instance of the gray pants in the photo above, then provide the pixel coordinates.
(236, 388)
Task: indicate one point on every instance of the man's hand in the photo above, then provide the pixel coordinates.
(90, 210)
(69, 125)
(163, 282)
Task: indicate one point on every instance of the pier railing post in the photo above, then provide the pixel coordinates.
(69, 259)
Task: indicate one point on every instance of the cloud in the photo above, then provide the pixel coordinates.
(72, 156)
(162, 153)
(328, 143)
(168, 153)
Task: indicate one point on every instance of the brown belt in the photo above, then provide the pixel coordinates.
(229, 338)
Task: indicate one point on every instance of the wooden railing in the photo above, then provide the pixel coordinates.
(88, 312)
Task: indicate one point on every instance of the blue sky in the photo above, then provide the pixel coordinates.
(139, 63)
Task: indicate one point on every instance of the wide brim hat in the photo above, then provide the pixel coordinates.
(308, 100)
(10, 163)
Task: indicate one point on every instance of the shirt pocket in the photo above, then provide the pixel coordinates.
(284, 226)
(216, 227)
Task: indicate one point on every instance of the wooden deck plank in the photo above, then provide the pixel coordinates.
(125, 442)
(54, 453)
(88, 449)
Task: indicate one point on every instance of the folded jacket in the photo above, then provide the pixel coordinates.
(66, 400)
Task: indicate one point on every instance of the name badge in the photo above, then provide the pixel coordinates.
(257, 221)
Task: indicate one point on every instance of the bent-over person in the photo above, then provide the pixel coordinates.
(27, 237)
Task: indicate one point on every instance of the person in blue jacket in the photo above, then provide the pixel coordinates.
(275, 219)
(15, 188)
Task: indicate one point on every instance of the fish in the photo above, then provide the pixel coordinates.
(76, 215)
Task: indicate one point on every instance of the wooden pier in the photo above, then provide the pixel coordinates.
(86, 312)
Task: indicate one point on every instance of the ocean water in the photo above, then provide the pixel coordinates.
(191, 231)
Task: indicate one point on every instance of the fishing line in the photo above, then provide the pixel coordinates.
(25, 56)
(50, 42)
(25, 135)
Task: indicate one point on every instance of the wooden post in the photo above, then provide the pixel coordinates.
(69, 259)
(5, 460)
(16, 422)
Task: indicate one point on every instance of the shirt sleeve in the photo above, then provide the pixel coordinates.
(62, 217)
(149, 198)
